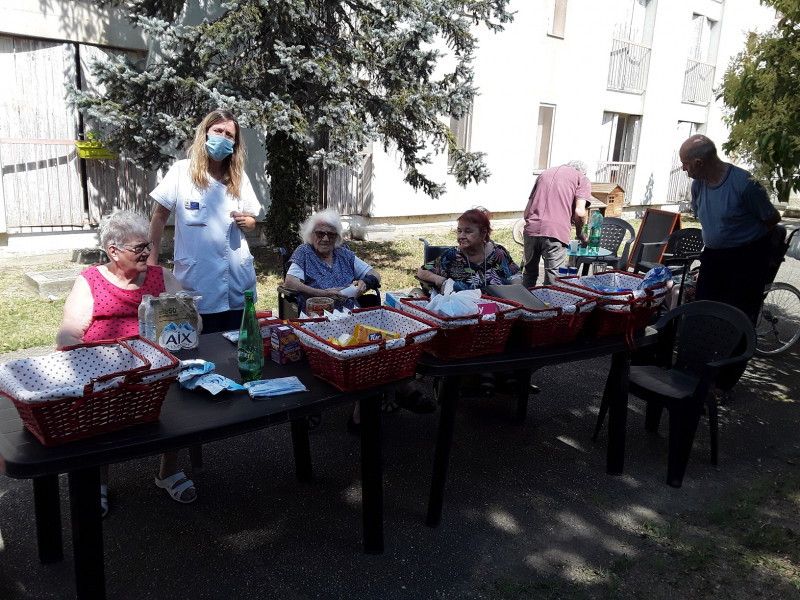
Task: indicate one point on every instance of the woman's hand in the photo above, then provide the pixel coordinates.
(361, 287)
(244, 221)
(333, 293)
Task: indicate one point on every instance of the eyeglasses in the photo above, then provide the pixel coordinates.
(332, 235)
(138, 248)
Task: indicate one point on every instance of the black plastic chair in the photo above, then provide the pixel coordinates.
(676, 251)
(696, 340)
(429, 254)
(614, 234)
(287, 299)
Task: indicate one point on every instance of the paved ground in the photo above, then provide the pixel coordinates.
(521, 502)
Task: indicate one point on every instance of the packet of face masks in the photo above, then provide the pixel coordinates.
(265, 388)
(212, 382)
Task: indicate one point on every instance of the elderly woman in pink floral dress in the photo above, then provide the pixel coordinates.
(103, 305)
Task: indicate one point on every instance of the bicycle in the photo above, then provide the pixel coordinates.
(778, 325)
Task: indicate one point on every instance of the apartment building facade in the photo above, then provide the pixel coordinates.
(618, 84)
(615, 83)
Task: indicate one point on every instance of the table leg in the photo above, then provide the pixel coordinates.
(523, 378)
(302, 450)
(372, 475)
(48, 518)
(585, 269)
(615, 396)
(449, 400)
(196, 457)
(87, 533)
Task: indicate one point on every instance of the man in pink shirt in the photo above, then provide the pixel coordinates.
(558, 199)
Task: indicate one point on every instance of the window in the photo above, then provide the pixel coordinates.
(632, 26)
(621, 132)
(544, 136)
(462, 131)
(701, 38)
(558, 20)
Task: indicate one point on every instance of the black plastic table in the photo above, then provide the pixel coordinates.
(188, 418)
(523, 362)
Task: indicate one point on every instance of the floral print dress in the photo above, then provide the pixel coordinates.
(498, 269)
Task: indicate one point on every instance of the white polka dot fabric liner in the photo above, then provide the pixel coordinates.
(617, 301)
(559, 297)
(416, 307)
(69, 373)
(162, 363)
(382, 318)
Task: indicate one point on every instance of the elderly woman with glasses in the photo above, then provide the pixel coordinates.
(323, 267)
(104, 304)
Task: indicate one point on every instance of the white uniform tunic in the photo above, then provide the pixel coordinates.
(212, 258)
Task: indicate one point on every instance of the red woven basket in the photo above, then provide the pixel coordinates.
(559, 323)
(109, 402)
(618, 312)
(368, 364)
(463, 337)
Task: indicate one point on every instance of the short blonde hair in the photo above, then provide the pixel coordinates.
(328, 217)
(198, 155)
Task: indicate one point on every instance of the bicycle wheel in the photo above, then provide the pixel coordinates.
(778, 326)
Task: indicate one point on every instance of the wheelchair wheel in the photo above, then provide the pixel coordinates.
(778, 326)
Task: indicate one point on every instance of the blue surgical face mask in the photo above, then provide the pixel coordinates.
(219, 147)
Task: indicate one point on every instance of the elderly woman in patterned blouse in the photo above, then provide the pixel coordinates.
(322, 267)
(104, 304)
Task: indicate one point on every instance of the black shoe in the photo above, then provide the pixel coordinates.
(416, 402)
(353, 427)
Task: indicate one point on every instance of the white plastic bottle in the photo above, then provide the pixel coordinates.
(143, 306)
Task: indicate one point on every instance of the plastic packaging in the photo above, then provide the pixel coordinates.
(144, 306)
(250, 348)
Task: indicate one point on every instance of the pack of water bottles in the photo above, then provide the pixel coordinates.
(170, 320)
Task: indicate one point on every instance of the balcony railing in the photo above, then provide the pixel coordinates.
(698, 82)
(628, 67)
(679, 187)
(621, 173)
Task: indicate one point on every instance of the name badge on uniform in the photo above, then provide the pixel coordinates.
(188, 205)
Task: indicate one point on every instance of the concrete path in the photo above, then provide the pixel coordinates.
(522, 502)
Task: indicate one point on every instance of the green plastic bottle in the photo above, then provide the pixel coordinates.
(250, 347)
(594, 232)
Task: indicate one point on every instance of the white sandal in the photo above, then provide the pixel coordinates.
(175, 485)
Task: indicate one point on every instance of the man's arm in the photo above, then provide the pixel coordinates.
(579, 218)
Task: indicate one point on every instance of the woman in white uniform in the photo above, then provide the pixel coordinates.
(214, 206)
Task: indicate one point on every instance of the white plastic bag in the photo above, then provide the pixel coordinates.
(457, 304)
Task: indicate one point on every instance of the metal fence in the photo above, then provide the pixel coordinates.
(621, 173)
(45, 186)
(628, 67)
(698, 82)
(679, 187)
(348, 190)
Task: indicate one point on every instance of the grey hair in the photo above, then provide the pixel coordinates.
(329, 217)
(699, 146)
(578, 165)
(121, 226)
